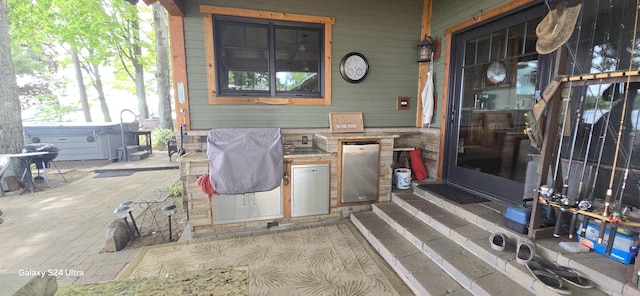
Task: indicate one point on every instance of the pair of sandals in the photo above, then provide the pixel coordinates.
(525, 250)
(548, 273)
(554, 276)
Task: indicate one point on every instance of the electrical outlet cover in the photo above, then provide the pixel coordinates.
(403, 103)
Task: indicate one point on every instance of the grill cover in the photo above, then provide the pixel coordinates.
(245, 160)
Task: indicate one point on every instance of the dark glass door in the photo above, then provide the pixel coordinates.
(497, 70)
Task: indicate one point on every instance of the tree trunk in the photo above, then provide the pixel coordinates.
(143, 109)
(11, 138)
(84, 102)
(101, 96)
(163, 69)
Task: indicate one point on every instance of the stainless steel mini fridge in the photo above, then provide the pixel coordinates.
(359, 171)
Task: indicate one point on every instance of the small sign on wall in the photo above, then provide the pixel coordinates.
(346, 122)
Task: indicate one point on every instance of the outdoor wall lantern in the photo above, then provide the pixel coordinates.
(133, 221)
(426, 48)
(169, 210)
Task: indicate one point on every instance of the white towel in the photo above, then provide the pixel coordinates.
(427, 99)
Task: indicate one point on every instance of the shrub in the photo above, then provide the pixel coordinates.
(175, 190)
(160, 136)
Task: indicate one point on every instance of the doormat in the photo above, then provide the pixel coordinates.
(453, 193)
(115, 174)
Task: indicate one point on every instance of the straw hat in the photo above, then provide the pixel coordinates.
(556, 28)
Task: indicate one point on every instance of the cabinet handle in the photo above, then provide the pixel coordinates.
(310, 170)
(244, 204)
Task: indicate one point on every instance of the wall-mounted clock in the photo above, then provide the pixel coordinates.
(354, 67)
(496, 72)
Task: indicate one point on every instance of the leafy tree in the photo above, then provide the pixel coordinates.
(129, 46)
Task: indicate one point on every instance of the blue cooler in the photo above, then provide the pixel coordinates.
(622, 244)
(517, 217)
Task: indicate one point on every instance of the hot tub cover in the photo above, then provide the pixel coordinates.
(245, 160)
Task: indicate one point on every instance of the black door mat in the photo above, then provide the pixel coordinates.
(110, 174)
(453, 193)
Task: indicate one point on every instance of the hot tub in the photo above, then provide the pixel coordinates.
(79, 141)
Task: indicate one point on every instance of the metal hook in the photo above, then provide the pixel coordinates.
(476, 17)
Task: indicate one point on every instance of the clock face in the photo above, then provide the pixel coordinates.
(496, 72)
(354, 67)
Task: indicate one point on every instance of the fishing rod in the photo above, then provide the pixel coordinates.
(589, 202)
(608, 195)
(579, 197)
(620, 194)
(564, 200)
(574, 217)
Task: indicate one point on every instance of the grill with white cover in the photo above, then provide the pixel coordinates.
(244, 160)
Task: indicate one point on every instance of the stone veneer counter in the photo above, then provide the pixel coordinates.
(329, 141)
(355, 136)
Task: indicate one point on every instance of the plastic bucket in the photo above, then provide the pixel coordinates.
(403, 178)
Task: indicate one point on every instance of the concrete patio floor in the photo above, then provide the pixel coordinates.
(61, 231)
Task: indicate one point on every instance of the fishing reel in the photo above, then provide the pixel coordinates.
(585, 205)
(546, 191)
(563, 200)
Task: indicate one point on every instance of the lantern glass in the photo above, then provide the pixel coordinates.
(169, 209)
(121, 211)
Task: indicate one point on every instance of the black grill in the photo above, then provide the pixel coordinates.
(42, 147)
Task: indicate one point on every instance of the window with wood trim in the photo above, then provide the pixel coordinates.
(257, 57)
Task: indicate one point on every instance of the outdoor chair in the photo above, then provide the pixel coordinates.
(5, 162)
(172, 147)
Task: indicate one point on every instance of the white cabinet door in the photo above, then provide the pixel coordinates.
(266, 204)
(230, 208)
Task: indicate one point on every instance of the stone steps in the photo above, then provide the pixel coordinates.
(420, 233)
(140, 155)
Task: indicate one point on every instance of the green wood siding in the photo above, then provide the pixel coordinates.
(386, 32)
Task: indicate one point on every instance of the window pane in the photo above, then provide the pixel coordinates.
(498, 45)
(531, 38)
(243, 56)
(516, 39)
(483, 50)
(297, 59)
(470, 52)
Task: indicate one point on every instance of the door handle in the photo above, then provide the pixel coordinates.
(452, 119)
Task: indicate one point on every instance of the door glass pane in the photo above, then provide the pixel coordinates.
(498, 45)
(496, 92)
(470, 53)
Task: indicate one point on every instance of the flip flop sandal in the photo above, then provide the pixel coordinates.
(525, 251)
(498, 241)
(549, 279)
(567, 274)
